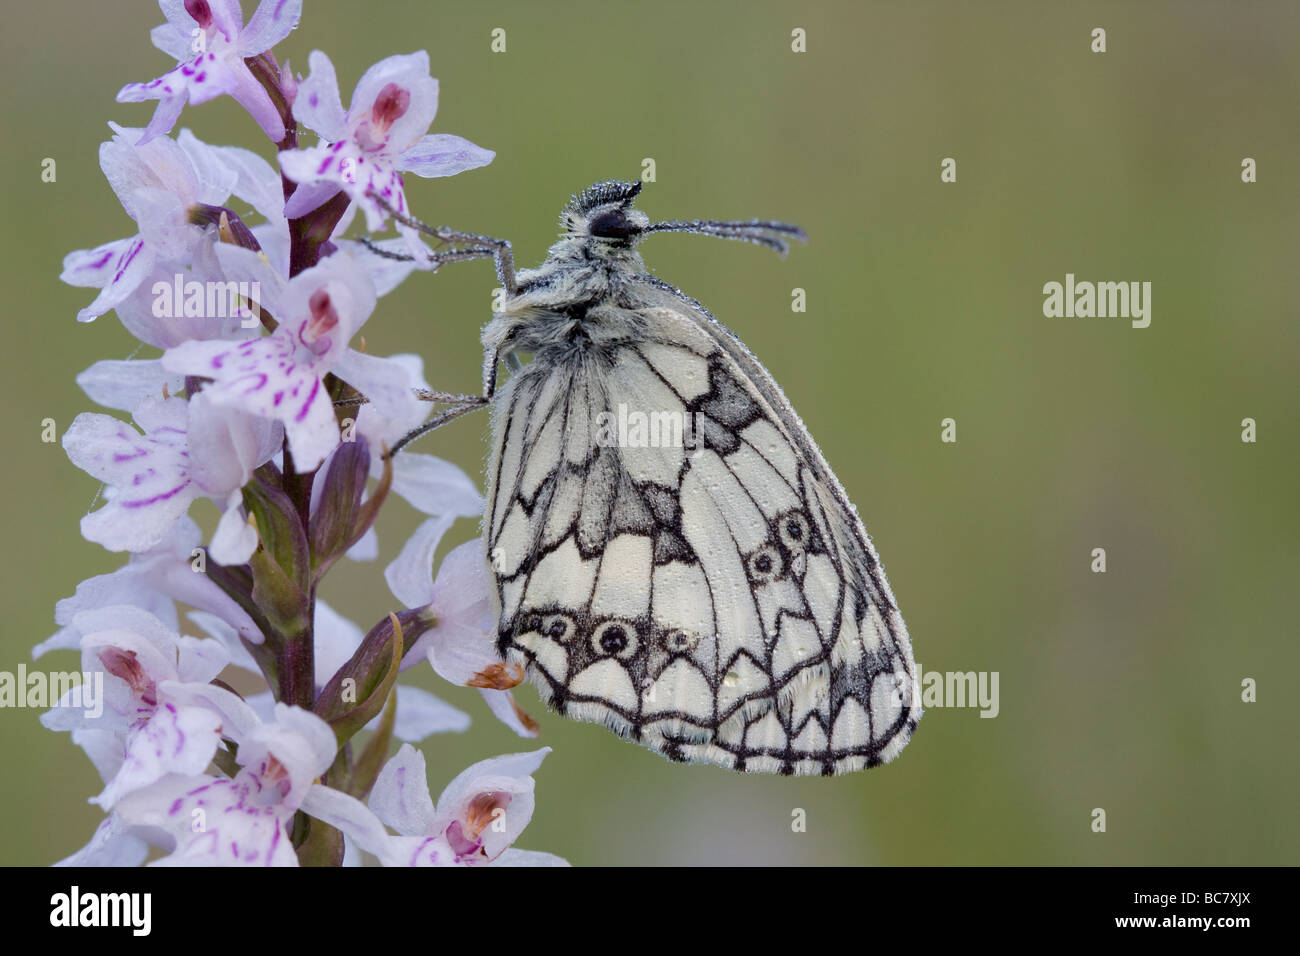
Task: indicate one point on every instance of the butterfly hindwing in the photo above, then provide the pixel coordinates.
(675, 559)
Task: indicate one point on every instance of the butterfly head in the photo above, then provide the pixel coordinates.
(603, 215)
(600, 221)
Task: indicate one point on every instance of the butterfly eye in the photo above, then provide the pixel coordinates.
(765, 564)
(615, 639)
(557, 627)
(611, 225)
(794, 531)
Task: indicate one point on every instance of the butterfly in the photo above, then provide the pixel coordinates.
(672, 555)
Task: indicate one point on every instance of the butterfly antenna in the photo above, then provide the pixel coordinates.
(773, 235)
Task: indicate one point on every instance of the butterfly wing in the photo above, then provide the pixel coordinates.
(674, 558)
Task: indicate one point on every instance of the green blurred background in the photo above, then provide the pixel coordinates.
(1118, 690)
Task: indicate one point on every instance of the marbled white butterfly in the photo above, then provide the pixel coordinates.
(673, 557)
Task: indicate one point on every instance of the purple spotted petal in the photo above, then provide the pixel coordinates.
(152, 581)
(252, 96)
(407, 76)
(228, 17)
(442, 154)
(504, 781)
(135, 652)
(379, 379)
(381, 133)
(460, 646)
(172, 741)
(131, 165)
(350, 816)
(377, 185)
(279, 376)
(157, 183)
(172, 40)
(195, 80)
(178, 18)
(418, 851)
(169, 109)
(94, 268)
(200, 298)
(351, 293)
(148, 476)
(257, 181)
(240, 821)
(125, 384)
(302, 745)
(400, 796)
(479, 814)
(214, 822)
(223, 170)
(270, 377)
(366, 178)
(386, 273)
(402, 373)
(271, 22)
(309, 197)
(127, 270)
(317, 105)
(114, 844)
(215, 66)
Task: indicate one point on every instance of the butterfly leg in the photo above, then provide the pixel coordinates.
(443, 398)
(501, 252)
(438, 258)
(502, 255)
(423, 394)
(437, 421)
(461, 404)
(480, 247)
